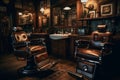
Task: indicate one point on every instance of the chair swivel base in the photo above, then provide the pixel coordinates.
(33, 70)
(25, 71)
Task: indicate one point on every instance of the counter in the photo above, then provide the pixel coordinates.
(64, 48)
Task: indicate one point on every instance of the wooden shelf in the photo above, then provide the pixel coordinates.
(66, 26)
(100, 18)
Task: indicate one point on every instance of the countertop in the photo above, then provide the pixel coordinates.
(115, 37)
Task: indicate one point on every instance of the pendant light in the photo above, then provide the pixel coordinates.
(67, 8)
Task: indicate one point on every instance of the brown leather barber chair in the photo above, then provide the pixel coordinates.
(90, 54)
(32, 51)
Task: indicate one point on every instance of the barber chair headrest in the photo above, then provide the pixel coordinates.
(21, 36)
(101, 28)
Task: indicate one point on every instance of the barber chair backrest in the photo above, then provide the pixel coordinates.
(20, 35)
(100, 37)
(19, 38)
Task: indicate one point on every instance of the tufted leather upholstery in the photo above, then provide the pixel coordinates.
(89, 53)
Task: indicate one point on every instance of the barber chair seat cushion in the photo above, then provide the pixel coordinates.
(39, 49)
(93, 54)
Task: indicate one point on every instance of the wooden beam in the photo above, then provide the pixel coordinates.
(79, 9)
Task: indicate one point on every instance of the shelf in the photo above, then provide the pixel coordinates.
(66, 26)
(100, 18)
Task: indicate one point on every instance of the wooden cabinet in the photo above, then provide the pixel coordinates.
(60, 48)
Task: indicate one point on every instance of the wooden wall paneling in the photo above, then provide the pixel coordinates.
(79, 9)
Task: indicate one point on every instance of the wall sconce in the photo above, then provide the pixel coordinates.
(42, 10)
(84, 1)
(90, 7)
(20, 13)
(42, 6)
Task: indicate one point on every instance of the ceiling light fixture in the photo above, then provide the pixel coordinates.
(67, 8)
(20, 13)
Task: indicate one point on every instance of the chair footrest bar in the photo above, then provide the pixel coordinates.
(76, 75)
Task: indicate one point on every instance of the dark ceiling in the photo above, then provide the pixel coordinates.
(63, 2)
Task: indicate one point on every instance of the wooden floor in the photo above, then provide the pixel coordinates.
(9, 66)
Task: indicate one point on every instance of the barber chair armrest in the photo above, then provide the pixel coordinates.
(82, 43)
(108, 44)
(21, 44)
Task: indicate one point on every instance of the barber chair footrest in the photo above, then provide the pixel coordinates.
(75, 75)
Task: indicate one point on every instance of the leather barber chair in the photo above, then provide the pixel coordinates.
(32, 51)
(90, 54)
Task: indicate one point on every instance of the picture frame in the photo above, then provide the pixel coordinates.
(24, 17)
(92, 14)
(106, 9)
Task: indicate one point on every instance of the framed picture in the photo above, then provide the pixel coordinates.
(92, 14)
(25, 17)
(106, 9)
